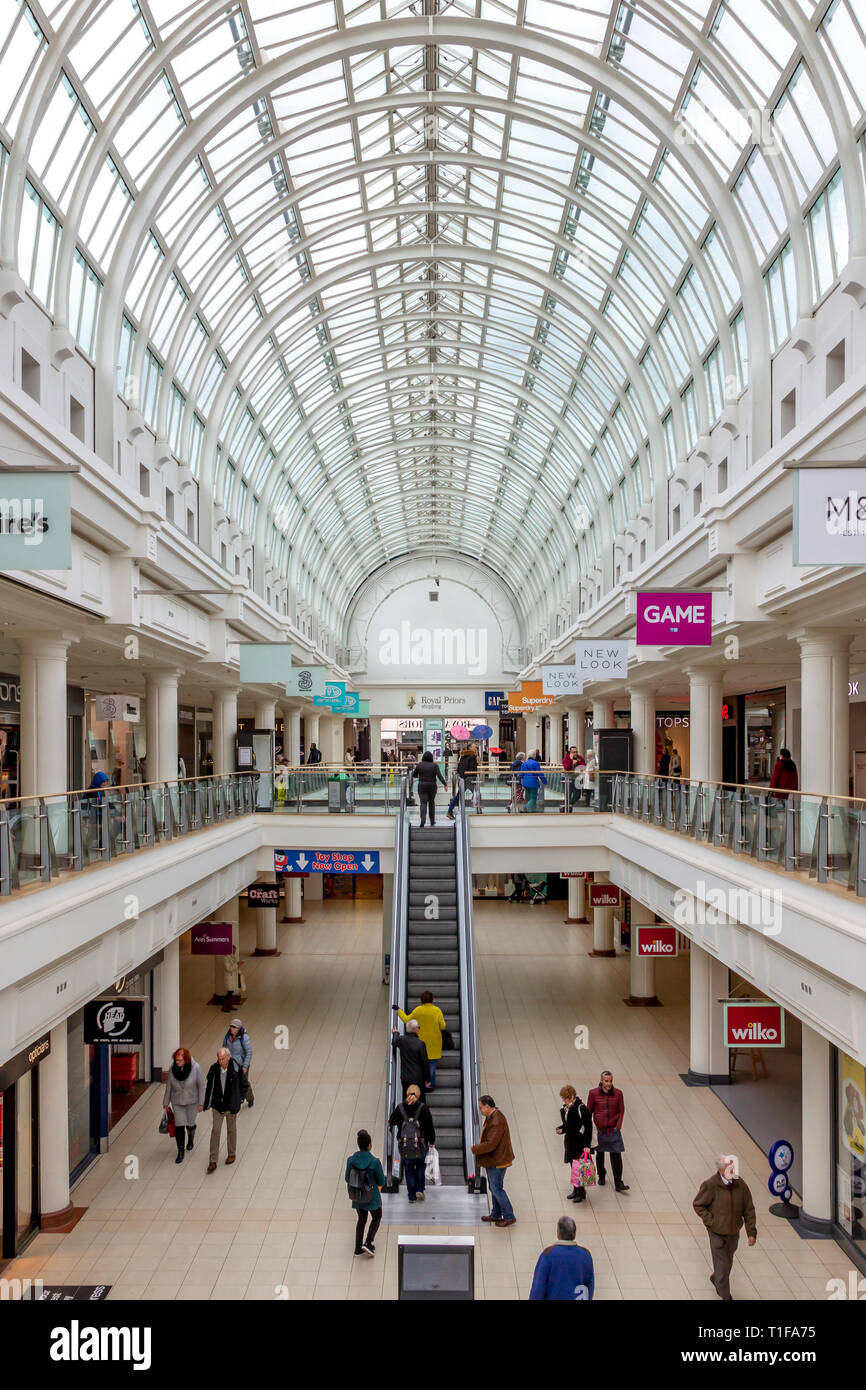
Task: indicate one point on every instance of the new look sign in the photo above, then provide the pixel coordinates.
(674, 618)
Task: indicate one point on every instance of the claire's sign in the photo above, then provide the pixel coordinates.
(656, 940)
(211, 939)
(674, 618)
(754, 1023)
(603, 895)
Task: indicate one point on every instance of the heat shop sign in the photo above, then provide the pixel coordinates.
(754, 1023)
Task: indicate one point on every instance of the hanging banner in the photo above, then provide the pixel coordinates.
(211, 939)
(35, 525)
(601, 660)
(125, 707)
(114, 1021)
(529, 697)
(754, 1023)
(334, 693)
(603, 895)
(263, 895)
(265, 663)
(561, 680)
(492, 700)
(675, 617)
(830, 516)
(363, 709)
(656, 940)
(306, 680)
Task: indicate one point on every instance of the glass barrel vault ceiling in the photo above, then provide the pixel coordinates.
(473, 277)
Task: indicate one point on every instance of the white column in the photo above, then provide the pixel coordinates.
(292, 736)
(708, 985)
(577, 728)
(266, 930)
(375, 740)
(347, 735)
(43, 716)
(225, 728)
(161, 731)
(641, 969)
(817, 1212)
(166, 1006)
(294, 901)
(266, 711)
(311, 734)
(705, 725)
(824, 666)
(576, 900)
(54, 1204)
(554, 743)
(602, 717)
(602, 925)
(533, 732)
(643, 723)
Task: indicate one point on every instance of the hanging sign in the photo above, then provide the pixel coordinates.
(263, 895)
(35, 524)
(601, 660)
(306, 680)
(126, 707)
(603, 895)
(561, 680)
(676, 617)
(492, 700)
(830, 516)
(114, 1021)
(326, 861)
(211, 939)
(656, 940)
(530, 696)
(265, 663)
(754, 1023)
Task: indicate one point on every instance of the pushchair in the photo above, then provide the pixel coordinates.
(537, 889)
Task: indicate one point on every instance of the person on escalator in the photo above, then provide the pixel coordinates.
(416, 1134)
(414, 1062)
(467, 768)
(431, 1026)
(428, 774)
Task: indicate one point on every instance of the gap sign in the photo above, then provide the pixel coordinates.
(656, 940)
(603, 895)
(326, 861)
(754, 1023)
(674, 618)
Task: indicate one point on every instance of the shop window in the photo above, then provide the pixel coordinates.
(788, 417)
(697, 498)
(642, 551)
(675, 521)
(169, 504)
(76, 418)
(31, 374)
(722, 476)
(836, 368)
(190, 524)
(237, 564)
(143, 480)
(224, 556)
(851, 1148)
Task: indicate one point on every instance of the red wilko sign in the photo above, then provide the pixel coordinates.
(656, 940)
(603, 895)
(754, 1023)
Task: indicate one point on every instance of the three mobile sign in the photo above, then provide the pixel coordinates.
(326, 861)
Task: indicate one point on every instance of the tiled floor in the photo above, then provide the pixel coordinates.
(279, 1220)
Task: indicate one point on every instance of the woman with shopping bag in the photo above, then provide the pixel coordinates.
(576, 1129)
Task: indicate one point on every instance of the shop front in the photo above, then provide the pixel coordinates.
(19, 1148)
(110, 1062)
(10, 736)
(115, 740)
(762, 718)
(849, 1131)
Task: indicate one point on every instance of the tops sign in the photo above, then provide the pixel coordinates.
(674, 619)
(830, 516)
(438, 646)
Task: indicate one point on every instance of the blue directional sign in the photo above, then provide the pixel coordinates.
(326, 861)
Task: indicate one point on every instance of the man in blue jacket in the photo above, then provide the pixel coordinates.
(532, 778)
(237, 1040)
(564, 1271)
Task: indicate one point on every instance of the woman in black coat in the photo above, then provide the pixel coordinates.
(576, 1128)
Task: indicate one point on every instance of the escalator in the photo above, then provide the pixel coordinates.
(432, 949)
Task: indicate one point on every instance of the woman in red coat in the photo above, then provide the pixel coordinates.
(607, 1108)
(785, 775)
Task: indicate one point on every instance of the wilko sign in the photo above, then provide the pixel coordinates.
(603, 895)
(754, 1023)
(658, 940)
(573, 873)
(211, 939)
(674, 618)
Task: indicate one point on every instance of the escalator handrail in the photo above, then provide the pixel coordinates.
(468, 1003)
(399, 931)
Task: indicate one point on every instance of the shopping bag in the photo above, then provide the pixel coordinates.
(583, 1171)
(168, 1119)
(431, 1168)
(395, 1160)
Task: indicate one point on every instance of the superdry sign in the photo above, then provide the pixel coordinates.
(674, 618)
(657, 940)
(754, 1023)
(603, 895)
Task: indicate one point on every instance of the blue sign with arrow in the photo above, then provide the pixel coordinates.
(326, 861)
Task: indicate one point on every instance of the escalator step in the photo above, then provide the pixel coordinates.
(432, 942)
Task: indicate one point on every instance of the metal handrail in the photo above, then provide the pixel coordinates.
(468, 1000)
(397, 982)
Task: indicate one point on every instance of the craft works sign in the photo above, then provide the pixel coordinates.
(211, 939)
(263, 895)
(656, 940)
(114, 1021)
(754, 1023)
(326, 861)
(603, 895)
(674, 618)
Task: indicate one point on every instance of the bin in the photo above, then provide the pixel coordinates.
(337, 787)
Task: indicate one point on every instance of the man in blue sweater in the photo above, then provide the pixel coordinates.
(564, 1271)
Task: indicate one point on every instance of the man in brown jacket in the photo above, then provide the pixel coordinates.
(724, 1204)
(495, 1154)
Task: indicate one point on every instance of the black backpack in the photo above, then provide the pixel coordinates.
(360, 1185)
(411, 1141)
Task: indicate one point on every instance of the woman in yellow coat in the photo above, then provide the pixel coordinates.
(431, 1022)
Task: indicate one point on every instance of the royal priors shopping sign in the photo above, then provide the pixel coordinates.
(830, 516)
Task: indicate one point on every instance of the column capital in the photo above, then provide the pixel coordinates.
(163, 676)
(824, 641)
(50, 645)
(706, 674)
